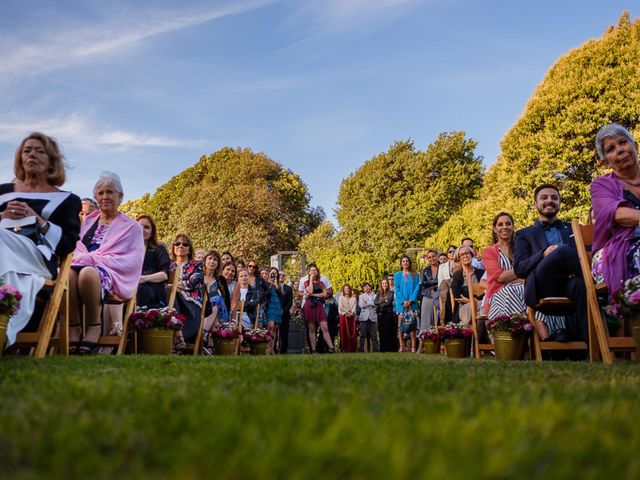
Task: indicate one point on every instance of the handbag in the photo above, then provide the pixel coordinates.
(408, 321)
(27, 227)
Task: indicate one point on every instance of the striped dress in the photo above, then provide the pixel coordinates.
(509, 300)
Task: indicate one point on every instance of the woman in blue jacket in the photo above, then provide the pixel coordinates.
(406, 286)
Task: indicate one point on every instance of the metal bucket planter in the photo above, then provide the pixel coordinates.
(156, 341)
(431, 347)
(509, 347)
(457, 347)
(4, 320)
(225, 346)
(258, 348)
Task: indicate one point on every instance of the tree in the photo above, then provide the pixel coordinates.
(233, 199)
(553, 140)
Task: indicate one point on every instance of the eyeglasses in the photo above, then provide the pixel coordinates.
(181, 244)
(464, 254)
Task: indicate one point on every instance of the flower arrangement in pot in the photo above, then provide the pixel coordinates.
(457, 339)
(225, 337)
(9, 304)
(156, 327)
(258, 340)
(625, 306)
(430, 340)
(509, 333)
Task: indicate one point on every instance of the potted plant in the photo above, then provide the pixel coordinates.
(9, 304)
(225, 337)
(625, 306)
(510, 335)
(258, 340)
(457, 339)
(156, 327)
(430, 340)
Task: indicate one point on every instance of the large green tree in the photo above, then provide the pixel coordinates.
(233, 199)
(553, 140)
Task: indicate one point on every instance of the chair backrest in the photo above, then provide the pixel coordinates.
(172, 288)
(583, 236)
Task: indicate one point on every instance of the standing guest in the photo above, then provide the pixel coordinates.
(34, 199)
(616, 206)
(227, 283)
(301, 290)
(445, 270)
(189, 276)
(546, 256)
(273, 306)
(88, 205)
(260, 284)
(155, 268)
(347, 310)
(460, 281)
(442, 258)
(240, 264)
(387, 321)
(368, 318)
(407, 287)
(333, 320)
(287, 303)
(264, 274)
(199, 255)
(313, 307)
(108, 260)
(428, 286)
(226, 257)
(391, 284)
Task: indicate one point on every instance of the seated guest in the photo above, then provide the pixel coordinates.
(505, 290)
(546, 256)
(227, 283)
(107, 260)
(88, 205)
(461, 279)
(476, 262)
(248, 294)
(616, 206)
(190, 279)
(211, 278)
(442, 258)
(155, 268)
(34, 204)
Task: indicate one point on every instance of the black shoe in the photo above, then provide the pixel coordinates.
(561, 336)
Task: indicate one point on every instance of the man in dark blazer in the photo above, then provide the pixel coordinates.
(287, 302)
(546, 256)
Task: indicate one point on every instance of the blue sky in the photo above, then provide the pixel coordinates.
(145, 88)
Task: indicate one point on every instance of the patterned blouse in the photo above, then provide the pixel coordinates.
(191, 280)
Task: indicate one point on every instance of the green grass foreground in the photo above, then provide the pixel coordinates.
(339, 416)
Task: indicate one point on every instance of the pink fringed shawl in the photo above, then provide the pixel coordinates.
(606, 198)
(121, 253)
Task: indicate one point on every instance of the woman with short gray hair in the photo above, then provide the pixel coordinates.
(615, 199)
(107, 261)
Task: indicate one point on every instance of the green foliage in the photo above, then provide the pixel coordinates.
(376, 416)
(391, 203)
(553, 140)
(233, 199)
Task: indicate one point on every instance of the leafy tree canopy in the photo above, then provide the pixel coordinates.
(233, 199)
(553, 140)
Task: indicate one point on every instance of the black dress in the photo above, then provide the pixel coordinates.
(387, 322)
(150, 294)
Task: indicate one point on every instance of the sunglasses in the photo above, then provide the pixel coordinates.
(252, 266)
(181, 244)
(451, 251)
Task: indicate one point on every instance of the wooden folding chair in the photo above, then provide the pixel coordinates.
(118, 341)
(196, 346)
(58, 303)
(538, 346)
(602, 345)
(172, 288)
(475, 318)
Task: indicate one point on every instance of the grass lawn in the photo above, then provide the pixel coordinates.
(338, 416)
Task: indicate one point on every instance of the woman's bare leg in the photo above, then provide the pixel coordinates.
(312, 336)
(89, 291)
(325, 335)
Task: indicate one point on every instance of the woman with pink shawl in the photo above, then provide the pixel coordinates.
(107, 260)
(616, 204)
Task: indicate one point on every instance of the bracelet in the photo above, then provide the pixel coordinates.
(44, 225)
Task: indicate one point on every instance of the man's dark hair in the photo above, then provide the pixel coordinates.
(543, 186)
(466, 238)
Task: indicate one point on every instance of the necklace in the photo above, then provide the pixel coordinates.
(629, 182)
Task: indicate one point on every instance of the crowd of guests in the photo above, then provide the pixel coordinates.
(116, 257)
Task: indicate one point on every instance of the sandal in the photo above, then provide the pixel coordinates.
(88, 348)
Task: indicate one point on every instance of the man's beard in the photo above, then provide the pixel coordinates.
(548, 214)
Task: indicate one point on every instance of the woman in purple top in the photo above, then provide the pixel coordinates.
(616, 204)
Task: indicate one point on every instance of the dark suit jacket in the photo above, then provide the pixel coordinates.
(530, 244)
(287, 300)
